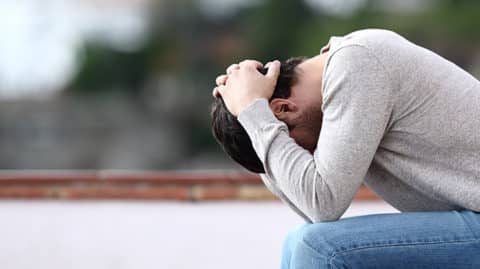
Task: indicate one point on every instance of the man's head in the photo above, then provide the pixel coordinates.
(291, 103)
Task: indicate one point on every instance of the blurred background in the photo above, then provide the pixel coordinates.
(126, 84)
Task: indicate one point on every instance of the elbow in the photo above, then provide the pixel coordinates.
(325, 217)
(327, 205)
(316, 198)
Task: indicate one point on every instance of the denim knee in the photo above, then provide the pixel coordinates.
(294, 235)
(289, 244)
(316, 246)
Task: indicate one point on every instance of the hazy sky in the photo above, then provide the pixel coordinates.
(40, 41)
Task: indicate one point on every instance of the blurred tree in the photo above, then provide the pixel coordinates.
(272, 29)
(192, 45)
(104, 69)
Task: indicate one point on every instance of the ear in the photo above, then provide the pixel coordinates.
(283, 109)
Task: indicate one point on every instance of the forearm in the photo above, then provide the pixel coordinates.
(293, 169)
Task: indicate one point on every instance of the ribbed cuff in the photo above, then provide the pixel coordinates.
(256, 116)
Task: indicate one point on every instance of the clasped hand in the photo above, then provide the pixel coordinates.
(243, 84)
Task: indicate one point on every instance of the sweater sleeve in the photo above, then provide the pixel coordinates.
(356, 108)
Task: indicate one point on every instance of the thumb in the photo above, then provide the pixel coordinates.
(273, 70)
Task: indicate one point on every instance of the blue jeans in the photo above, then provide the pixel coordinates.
(424, 240)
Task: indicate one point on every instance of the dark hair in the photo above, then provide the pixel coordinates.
(230, 134)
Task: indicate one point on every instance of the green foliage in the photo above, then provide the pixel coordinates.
(104, 69)
(272, 29)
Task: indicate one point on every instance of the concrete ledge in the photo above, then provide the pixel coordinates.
(106, 184)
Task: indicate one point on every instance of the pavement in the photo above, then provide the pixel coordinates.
(149, 234)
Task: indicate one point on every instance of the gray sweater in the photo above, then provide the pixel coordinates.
(397, 117)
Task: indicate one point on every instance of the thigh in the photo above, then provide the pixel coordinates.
(405, 240)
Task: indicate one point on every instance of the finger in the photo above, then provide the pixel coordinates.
(215, 92)
(251, 63)
(267, 65)
(218, 91)
(221, 80)
(232, 67)
(273, 70)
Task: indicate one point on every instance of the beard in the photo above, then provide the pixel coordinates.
(307, 129)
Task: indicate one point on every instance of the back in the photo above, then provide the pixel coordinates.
(429, 158)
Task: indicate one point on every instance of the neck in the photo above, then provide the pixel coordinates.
(313, 71)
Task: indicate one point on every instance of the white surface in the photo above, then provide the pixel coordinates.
(118, 234)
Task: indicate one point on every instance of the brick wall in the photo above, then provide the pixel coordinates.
(179, 186)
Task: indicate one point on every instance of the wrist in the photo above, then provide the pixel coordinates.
(257, 116)
(248, 103)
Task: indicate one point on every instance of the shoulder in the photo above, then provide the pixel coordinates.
(371, 37)
(357, 63)
(363, 48)
(371, 41)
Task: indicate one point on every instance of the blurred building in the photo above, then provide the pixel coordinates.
(103, 84)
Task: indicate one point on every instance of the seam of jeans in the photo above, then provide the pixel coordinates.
(318, 253)
(468, 224)
(332, 265)
(335, 253)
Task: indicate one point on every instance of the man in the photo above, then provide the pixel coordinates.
(371, 108)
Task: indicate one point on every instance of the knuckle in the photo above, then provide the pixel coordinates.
(235, 72)
(248, 62)
(232, 66)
